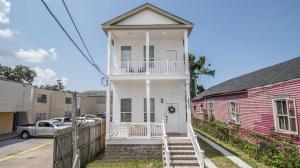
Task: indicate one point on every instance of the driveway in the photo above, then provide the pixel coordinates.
(31, 153)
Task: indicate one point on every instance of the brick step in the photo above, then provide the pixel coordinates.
(183, 157)
(182, 152)
(181, 148)
(184, 163)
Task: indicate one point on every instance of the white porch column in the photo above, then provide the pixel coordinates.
(108, 89)
(186, 51)
(148, 108)
(108, 53)
(188, 100)
(147, 52)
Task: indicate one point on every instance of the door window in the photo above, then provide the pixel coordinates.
(151, 55)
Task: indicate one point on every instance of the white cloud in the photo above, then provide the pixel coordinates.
(6, 33)
(5, 6)
(36, 56)
(47, 77)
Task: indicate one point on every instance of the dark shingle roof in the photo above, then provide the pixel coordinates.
(276, 73)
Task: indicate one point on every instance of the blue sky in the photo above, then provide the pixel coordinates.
(236, 36)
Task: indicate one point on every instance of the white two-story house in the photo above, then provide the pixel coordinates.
(148, 70)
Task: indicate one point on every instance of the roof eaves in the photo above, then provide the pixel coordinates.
(109, 24)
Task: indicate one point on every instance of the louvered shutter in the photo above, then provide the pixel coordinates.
(237, 121)
(292, 115)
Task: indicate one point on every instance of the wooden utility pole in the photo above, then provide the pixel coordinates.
(74, 126)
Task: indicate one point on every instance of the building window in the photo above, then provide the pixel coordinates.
(151, 55)
(41, 98)
(68, 100)
(152, 110)
(285, 115)
(125, 53)
(233, 112)
(68, 114)
(126, 110)
(40, 116)
(210, 108)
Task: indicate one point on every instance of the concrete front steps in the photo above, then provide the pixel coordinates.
(182, 154)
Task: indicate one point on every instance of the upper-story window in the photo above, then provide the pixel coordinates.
(151, 53)
(285, 115)
(41, 98)
(125, 53)
(68, 100)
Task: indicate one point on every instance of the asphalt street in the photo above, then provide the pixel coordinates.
(31, 153)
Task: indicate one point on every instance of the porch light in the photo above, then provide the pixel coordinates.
(162, 100)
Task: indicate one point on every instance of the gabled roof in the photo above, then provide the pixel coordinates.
(112, 24)
(276, 73)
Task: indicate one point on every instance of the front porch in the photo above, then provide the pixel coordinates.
(136, 131)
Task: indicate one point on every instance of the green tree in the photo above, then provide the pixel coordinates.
(59, 86)
(19, 73)
(200, 89)
(198, 67)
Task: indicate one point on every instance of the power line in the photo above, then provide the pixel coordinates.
(63, 1)
(70, 38)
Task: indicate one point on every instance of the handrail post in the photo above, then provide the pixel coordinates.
(127, 66)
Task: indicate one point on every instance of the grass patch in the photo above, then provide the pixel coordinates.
(215, 156)
(100, 163)
(251, 161)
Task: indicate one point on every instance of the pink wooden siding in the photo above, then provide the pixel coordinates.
(256, 112)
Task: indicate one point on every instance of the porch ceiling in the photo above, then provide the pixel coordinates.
(133, 34)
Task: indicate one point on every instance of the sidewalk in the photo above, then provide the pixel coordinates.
(229, 155)
(8, 136)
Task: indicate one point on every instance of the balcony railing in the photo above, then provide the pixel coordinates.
(155, 67)
(135, 130)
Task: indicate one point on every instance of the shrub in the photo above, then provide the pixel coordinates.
(272, 152)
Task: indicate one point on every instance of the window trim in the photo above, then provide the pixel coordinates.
(39, 97)
(68, 98)
(208, 107)
(237, 112)
(125, 112)
(127, 59)
(40, 118)
(274, 108)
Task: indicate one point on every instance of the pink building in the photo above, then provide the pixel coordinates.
(264, 101)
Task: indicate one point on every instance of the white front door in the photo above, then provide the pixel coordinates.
(171, 117)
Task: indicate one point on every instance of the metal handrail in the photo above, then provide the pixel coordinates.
(198, 151)
(166, 148)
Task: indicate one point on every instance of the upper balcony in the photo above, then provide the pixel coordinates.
(147, 53)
